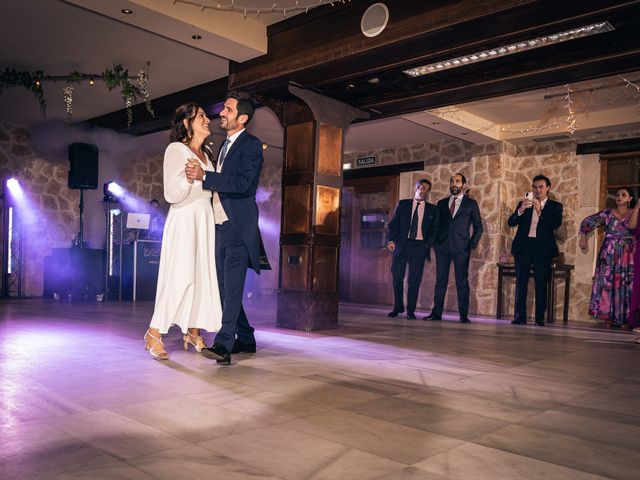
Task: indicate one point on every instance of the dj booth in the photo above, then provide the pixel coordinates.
(140, 264)
(78, 274)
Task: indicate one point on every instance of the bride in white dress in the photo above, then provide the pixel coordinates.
(187, 295)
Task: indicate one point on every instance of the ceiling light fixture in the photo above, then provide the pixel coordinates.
(126, 11)
(517, 47)
(195, 36)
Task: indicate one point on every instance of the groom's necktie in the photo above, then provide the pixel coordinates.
(219, 214)
(223, 152)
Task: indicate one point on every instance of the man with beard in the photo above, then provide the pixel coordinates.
(455, 216)
(537, 217)
(234, 184)
(410, 240)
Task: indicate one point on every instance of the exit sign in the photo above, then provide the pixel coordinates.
(365, 161)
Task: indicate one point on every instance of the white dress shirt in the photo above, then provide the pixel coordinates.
(218, 210)
(534, 219)
(420, 217)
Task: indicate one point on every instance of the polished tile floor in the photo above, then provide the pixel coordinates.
(377, 399)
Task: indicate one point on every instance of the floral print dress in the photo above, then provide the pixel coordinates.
(613, 278)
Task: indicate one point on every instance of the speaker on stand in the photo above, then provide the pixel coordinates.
(83, 174)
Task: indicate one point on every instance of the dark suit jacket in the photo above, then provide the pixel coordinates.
(237, 185)
(550, 219)
(452, 234)
(401, 223)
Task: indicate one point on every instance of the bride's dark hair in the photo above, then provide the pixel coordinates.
(180, 133)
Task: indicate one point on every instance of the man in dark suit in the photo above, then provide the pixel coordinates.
(234, 184)
(537, 217)
(410, 240)
(455, 216)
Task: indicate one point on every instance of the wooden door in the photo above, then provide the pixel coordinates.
(365, 263)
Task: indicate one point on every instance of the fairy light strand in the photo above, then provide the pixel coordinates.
(245, 9)
(629, 83)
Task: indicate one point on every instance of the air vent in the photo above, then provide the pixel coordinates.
(553, 138)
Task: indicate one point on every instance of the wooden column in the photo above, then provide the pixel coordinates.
(310, 223)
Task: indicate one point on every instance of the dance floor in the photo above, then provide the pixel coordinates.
(376, 399)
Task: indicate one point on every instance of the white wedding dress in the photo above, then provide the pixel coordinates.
(187, 293)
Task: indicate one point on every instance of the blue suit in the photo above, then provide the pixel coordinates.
(238, 239)
(454, 243)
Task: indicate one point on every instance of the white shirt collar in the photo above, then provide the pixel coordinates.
(234, 137)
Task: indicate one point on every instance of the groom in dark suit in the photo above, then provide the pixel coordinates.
(537, 217)
(234, 185)
(455, 215)
(410, 240)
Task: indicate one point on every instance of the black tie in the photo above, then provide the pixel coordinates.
(413, 229)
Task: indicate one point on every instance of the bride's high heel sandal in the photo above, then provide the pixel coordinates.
(157, 354)
(195, 340)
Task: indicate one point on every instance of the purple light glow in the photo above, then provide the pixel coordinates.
(14, 187)
(268, 227)
(116, 189)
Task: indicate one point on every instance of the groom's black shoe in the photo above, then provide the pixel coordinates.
(240, 347)
(218, 353)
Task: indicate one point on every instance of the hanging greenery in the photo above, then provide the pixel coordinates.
(115, 77)
(32, 81)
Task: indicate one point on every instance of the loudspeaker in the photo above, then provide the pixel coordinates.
(83, 171)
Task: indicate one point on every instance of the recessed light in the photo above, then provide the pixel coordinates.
(126, 11)
(374, 80)
(463, 133)
(195, 36)
(435, 123)
(598, 131)
(351, 86)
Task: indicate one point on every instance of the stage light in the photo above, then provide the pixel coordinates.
(14, 187)
(116, 189)
(10, 242)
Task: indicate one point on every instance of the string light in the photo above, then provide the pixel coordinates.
(531, 129)
(246, 9)
(631, 84)
(453, 110)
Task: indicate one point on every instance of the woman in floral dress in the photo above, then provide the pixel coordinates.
(634, 307)
(613, 278)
